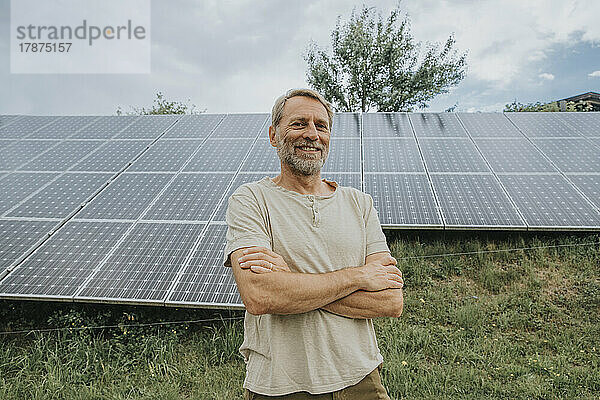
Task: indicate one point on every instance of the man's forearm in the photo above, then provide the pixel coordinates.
(362, 304)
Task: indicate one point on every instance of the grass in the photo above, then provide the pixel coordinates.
(519, 325)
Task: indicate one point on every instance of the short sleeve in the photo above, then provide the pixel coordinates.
(376, 241)
(246, 224)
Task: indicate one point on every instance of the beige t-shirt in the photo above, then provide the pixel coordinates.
(316, 351)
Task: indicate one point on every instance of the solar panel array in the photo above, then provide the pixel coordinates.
(131, 209)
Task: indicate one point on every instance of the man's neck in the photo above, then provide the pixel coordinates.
(303, 184)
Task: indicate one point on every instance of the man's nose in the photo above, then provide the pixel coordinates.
(311, 131)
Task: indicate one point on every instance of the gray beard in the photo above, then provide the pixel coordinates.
(298, 164)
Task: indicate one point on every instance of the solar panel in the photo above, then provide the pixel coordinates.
(344, 179)
(22, 152)
(262, 157)
(451, 155)
(166, 155)
(204, 280)
(127, 197)
(62, 156)
(5, 143)
(18, 237)
(17, 186)
(392, 155)
(61, 197)
(111, 156)
(589, 185)
(8, 119)
(144, 265)
(403, 200)
(148, 127)
(62, 128)
(437, 125)
(104, 127)
(388, 125)
(571, 155)
(346, 125)
(513, 155)
(210, 157)
(25, 126)
(344, 156)
(240, 126)
(191, 197)
(475, 201)
(534, 124)
(585, 123)
(549, 201)
(489, 125)
(194, 126)
(60, 266)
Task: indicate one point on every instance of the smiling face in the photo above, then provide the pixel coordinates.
(302, 136)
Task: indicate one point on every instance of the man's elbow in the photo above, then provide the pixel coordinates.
(256, 301)
(397, 304)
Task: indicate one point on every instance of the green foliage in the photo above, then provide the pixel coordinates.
(376, 63)
(580, 106)
(163, 106)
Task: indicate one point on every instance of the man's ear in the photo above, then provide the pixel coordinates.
(272, 136)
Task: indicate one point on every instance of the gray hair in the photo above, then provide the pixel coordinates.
(277, 112)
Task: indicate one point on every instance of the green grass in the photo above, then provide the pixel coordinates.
(519, 325)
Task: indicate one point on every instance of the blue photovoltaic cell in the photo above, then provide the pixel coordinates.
(61, 197)
(5, 143)
(62, 156)
(112, 156)
(127, 197)
(513, 155)
(17, 186)
(148, 127)
(535, 124)
(489, 125)
(344, 179)
(18, 237)
(62, 128)
(386, 125)
(241, 126)
(344, 156)
(263, 157)
(205, 280)
(403, 200)
(392, 155)
(219, 155)
(61, 265)
(589, 185)
(145, 264)
(346, 125)
(105, 127)
(571, 155)
(585, 123)
(549, 201)
(8, 119)
(451, 155)
(239, 180)
(25, 126)
(437, 125)
(166, 155)
(474, 201)
(22, 152)
(191, 197)
(194, 126)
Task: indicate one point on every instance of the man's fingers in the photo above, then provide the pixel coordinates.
(256, 256)
(255, 249)
(259, 270)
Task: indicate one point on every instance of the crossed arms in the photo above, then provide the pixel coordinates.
(267, 286)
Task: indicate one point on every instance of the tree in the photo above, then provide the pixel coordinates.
(163, 106)
(548, 107)
(376, 63)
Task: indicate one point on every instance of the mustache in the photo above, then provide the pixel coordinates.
(304, 142)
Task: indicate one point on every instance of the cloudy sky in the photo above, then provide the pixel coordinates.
(238, 56)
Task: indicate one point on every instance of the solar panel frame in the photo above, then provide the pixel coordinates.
(475, 202)
(451, 155)
(143, 265)
(61, 197)
(549, 202)
(513, 155)
(392, 155)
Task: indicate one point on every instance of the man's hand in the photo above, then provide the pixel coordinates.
(260, 260)
(381, 273)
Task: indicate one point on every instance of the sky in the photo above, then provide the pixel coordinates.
(238, 56)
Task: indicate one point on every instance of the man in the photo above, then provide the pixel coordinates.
(312, 267)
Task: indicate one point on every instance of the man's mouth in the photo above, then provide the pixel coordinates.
(308, 149)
